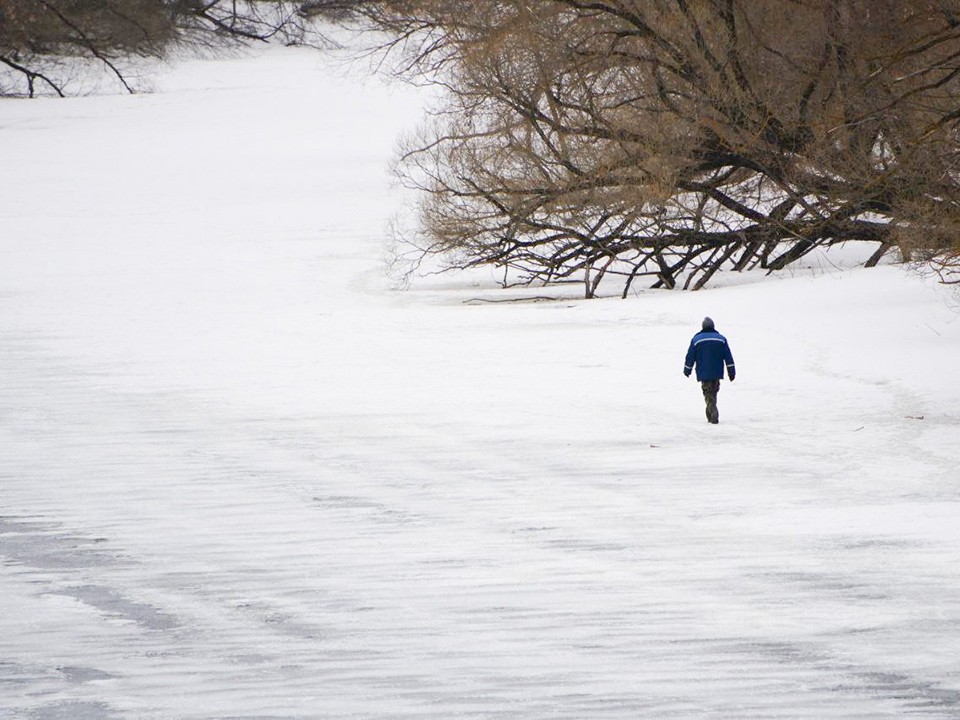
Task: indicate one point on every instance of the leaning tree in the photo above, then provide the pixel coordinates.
(669, 139)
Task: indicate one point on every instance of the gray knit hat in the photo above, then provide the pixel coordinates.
(708, 324)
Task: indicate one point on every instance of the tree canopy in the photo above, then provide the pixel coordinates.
(43, 41)
(670, 139)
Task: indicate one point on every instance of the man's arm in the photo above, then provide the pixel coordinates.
(728, 359)
(690, 359)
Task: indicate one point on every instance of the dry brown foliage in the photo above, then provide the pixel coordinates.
(669, 139)
(43, 41)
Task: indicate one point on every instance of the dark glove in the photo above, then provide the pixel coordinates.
(686, 372)
(732, 374)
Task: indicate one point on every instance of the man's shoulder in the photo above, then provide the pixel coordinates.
(708, 335)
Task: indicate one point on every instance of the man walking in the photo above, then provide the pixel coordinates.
(709, 352)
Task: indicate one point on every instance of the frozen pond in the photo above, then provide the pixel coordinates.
(241, 477)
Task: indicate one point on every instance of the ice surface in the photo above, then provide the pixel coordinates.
(241, 477)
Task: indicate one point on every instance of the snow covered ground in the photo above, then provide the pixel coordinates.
(242, 477)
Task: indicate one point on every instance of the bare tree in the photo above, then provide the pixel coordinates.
(669, 139)
(41, 41)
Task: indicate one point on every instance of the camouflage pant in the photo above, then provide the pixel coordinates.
(710, 390)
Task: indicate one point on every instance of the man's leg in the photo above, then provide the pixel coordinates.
(710, 390)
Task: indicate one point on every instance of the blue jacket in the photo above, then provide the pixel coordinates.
(709, 351)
